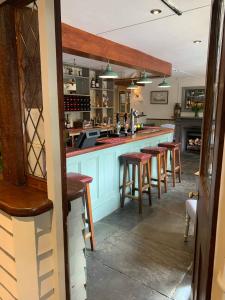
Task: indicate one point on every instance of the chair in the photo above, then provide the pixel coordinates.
(191, 210)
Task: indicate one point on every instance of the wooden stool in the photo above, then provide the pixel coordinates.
(142, 162)
(174, 149)
(161, 155)
(86, 180)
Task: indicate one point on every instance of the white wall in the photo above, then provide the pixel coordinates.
(175, 94)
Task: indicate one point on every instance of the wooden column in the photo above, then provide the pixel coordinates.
(11, 134)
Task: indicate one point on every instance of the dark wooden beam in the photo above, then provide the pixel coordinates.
(11, 133)
(82, 43)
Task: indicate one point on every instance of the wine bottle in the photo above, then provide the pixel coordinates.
(97, 83)
(93, 83)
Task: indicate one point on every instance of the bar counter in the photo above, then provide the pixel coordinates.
(102, 163)
(104, 143)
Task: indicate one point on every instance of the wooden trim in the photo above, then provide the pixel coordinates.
(37, 183)
(65, 207)
(23, 201)
(18, 3)
(78, 42)
(10, 110)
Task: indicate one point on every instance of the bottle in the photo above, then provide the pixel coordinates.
(97, 83)
(93, 83)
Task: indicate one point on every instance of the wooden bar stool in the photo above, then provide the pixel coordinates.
(86, 180)
(161, 154)
(141, 162)
(174, 149)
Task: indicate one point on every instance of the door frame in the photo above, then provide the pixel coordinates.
(211, 206)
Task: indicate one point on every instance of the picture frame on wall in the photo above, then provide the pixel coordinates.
(159, 97)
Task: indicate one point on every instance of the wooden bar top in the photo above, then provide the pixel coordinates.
(104, 143)
(23, 201)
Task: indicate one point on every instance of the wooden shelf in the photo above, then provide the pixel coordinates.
(23, 201)
(74, 76)
(82, 95)
(102, 89)
(101, 107)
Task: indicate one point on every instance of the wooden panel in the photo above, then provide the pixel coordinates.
(10, 113)
(6, 222)
(6, 242)
(79, 42)
(46, 284)
(9, 283)
(105, 186)
(8, 263)
(23, 201)
(5, 295)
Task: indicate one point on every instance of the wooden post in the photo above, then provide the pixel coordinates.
(11, 134)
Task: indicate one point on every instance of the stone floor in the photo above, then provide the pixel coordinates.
(145, 257)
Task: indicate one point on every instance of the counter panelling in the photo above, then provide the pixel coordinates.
(103, 165)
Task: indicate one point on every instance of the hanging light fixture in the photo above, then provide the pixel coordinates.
(144, 79)
(132, 86)
(164, 84)
(109, 73)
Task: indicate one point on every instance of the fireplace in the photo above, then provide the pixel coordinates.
(193, 141)
(188, 133)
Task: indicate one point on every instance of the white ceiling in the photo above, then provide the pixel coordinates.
(166, 36)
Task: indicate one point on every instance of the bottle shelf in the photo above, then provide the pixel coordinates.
(101, 89)
(101, 107)
(74, 76)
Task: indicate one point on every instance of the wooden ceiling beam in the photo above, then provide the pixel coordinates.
(78, 42)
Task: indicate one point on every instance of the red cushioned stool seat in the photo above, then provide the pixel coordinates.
(154, 150)
(161, 156)
(141, 162)
(169, 145)
(174, 151)
(85, 180)
(137, 156)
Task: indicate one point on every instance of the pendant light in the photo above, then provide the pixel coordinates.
(109, 73)
(132, 86)
(164, 84)
(144, 79)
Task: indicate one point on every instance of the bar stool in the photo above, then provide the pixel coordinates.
(86, 180)
(142, 162)
(161, 154)
(174, 149)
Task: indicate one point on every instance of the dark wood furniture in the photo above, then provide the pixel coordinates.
(161, 155)
(23, 201)
(74, 181)
(141, 162)
(174, 150)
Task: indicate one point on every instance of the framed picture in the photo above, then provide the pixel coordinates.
(159, 97)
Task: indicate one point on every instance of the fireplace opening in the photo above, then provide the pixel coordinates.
(193, 141)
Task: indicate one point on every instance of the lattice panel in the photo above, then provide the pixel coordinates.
(31, 88)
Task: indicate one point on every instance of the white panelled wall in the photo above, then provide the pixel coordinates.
(160, 111)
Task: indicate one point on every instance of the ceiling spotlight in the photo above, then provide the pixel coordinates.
(155, 11)
(197, 42)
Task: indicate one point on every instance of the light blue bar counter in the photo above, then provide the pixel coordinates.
(103, 165)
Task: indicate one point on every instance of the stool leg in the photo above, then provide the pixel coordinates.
(124, 184)
(159, 174)
(179, 162)
(140, 172)
(133, 178)
(149, 180)
(187, 227)
(173, 167)
(90, 218)
(165, 171)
